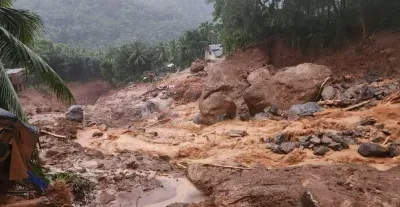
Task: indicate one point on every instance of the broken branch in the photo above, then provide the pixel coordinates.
(357, 106)
(43, 132)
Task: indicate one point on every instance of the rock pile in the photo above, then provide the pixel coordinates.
(319, 143)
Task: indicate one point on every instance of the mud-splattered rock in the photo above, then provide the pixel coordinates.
(75, 113)
(258, 76)
(132, 165)
(328, 93)
(216, 107)
(106, 198)
(237, 133)
(262, 116)
(367, 121)
(290, 86)
(321, 150)
(197, 66)
(372, 150)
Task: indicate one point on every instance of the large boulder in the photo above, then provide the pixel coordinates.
(197, 66)
(289, 86)
(258, 76)
(373, 150)
(75, 113)
(216, 107)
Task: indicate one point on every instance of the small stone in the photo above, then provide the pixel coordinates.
(237, 133)
(328, 93)
(97, 134)
(336, 146)
(39, 110)
(103, 127)
(75, 113)
(305, 139)
(349, 141)
(372, 150)
(315, 140)
(287, 147)
(326, 140)
(387, 132)
(394, 150)
(118, 177)
(367, 121)
(380, 125)
(281, 138)
(262, 116)
(154, 134)
(132, 165)
(106, 198)
(197, 120)
(101, 165)
(82, 170)
(274, 148)
(378, 139)
(321, 151)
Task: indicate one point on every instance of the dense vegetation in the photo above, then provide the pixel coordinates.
(127, 63)
(306, 24)
(106, 23)
(309, 25)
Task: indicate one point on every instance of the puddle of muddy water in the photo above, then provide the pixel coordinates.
(174, 190)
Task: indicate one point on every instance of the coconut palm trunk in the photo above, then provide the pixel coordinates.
(18, 28)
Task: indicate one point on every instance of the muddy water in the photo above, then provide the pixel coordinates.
(174, 190)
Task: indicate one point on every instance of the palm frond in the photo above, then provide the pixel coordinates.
(8, 98)
(22, 24)
(6, 3)
(14, 51)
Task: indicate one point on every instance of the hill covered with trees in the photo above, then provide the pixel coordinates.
(105, 23)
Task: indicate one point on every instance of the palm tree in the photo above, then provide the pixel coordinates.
(18, 29)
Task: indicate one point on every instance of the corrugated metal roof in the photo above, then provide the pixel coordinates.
(216, 49)
(13, 71)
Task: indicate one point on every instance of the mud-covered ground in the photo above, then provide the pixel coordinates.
(140, 146)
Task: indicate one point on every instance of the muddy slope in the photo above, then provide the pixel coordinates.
(335, 185)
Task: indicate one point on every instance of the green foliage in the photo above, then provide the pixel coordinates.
(107, 23)
(127, 63)
(70, 63)
(306, 24)
(17, 28)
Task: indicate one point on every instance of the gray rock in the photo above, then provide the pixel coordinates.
(387, 132)
(237, 133)
(305, 139)
(262, 116)
(288, 147)
(372, 150)
(315, 140)
(336, 146)
(321, 150)
(75, 113)
(196, 119)
(307, 109)
(151, 106)
(349, 141)
(326, 140)
(328, 93)
(281, 138)
(274, 148)
(394, 150)
(118, 177)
